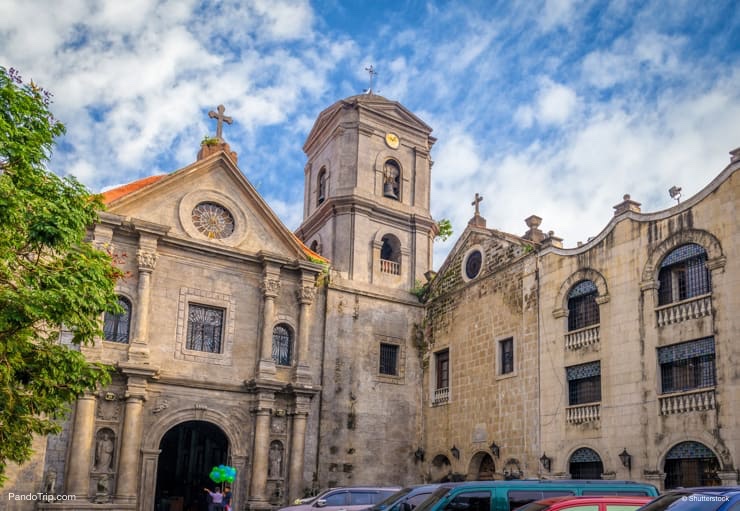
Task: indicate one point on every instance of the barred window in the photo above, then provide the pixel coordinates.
(683, 274)
(691, 464)
(583, 310)
(205, 328)
(116, 326)
(388, 359)
(584, 383)
(585, 463)
(686, 366)
(506, 356)
(282, 345)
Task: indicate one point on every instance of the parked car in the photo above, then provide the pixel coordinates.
(353, 498)
(603, 503)
(406, 499)
(510, 495)
(713, 498)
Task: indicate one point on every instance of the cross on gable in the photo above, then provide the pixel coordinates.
(220, 119)
(476, 202)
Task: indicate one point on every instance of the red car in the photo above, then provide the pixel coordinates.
(605, 503)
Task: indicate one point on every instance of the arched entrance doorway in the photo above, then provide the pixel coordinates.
(481, 468)
(691, 464)
(188, 452)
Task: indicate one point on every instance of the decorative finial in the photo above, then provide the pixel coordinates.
(371, 70)
(220, 119)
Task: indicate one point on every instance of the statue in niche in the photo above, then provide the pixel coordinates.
(275, 469)
(50, 482)
(104, 452)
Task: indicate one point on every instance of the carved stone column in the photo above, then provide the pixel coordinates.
(138, 350)
(305, 296)
(128, 462)
(260, 456)
(270, 290)
(80, 448)
(298, 445)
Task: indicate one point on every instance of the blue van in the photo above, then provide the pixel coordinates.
(509, 495)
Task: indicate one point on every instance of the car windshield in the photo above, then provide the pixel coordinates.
(433, 499)
(686, 501)
(391, 499)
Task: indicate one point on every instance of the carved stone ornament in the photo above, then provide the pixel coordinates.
(146, 259)
(109, 409)
(278, 425)
(271, 287)
(306, 294)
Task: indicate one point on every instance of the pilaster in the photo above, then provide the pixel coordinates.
(298, 445)
(270, 290)
(80, 449)
(262, 411)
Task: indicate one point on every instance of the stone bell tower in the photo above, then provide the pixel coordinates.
(366, 192)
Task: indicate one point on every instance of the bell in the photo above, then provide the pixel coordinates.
(388, 191)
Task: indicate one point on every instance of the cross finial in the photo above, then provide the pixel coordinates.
(371, 70)
(476, 202)
(220, 119)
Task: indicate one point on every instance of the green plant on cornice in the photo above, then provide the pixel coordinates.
(210, 141)
(528, 248)
(420, 290)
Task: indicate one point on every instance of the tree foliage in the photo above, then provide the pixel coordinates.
(445, 229)
(50, 277)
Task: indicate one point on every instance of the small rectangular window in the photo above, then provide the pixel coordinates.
(687, 366)
(443, 369)
(506, 356)
(205, 328)
(388, 359)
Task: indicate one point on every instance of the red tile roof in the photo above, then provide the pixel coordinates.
(123, 190)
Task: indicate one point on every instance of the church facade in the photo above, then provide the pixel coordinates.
(334, 356)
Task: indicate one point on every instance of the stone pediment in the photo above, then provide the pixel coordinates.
(208, 202)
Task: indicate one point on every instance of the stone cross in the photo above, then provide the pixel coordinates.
(372, 72)
(220, 119)
(475, 203)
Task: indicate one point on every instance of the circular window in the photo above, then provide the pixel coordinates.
(473, 264)
(213, 220)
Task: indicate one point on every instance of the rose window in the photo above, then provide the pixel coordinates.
(213, 220)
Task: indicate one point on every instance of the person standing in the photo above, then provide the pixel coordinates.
(217, 499)
(227, 499)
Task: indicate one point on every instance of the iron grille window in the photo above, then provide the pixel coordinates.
(583, 310)
(683, 274)
(506, 350)
(584, 383)
(691, 464)
(116, 326)
(388, 359)
(443, 369)
(205, 328)
(688, 365)
(282, 345)
(585, 463)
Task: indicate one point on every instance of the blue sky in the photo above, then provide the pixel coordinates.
(556, 108)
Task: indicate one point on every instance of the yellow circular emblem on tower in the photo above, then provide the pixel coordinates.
(392, 140)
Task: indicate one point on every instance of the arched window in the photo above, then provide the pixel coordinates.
(683, 274)
(116, 327)
(390, 255)
(583, 310)
(691, 464)
(282, 345)
(321, 186)
(315, 247)
(391, 180)
(585, 463)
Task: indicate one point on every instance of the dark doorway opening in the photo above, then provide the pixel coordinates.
(188, 453)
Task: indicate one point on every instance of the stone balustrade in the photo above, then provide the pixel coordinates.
(692, 308)
(441, 396)
(690, 401)
(582, 337)
(583, 413)
(391, 267)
